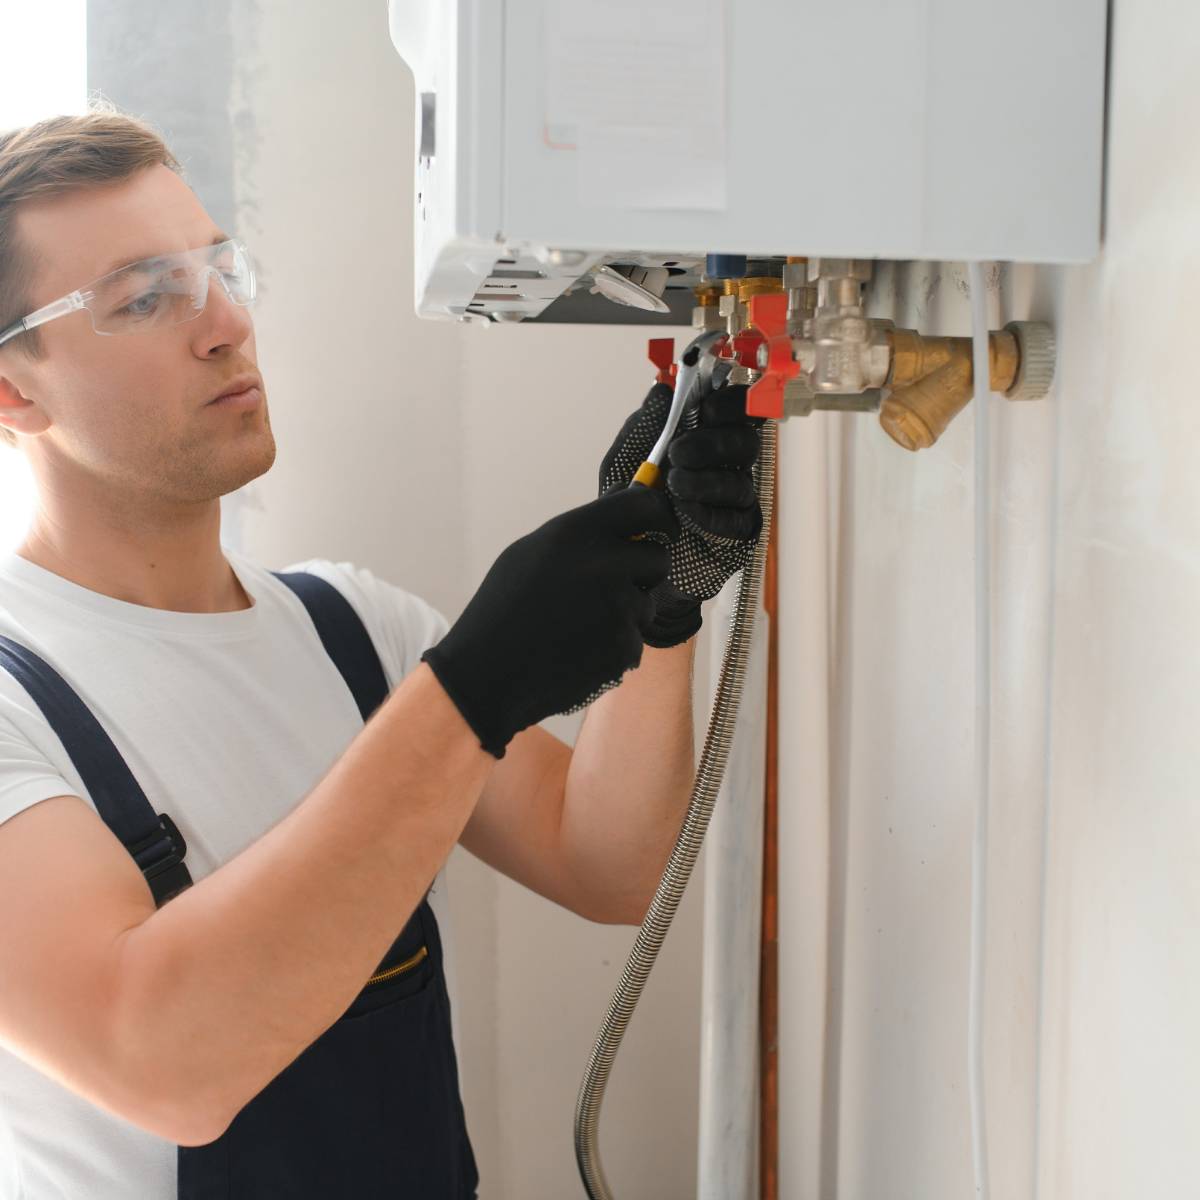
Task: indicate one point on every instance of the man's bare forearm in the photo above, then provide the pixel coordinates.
(230, 981)
(628, 784)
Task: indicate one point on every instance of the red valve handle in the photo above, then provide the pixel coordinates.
(742, 347)
(661, 352)
(768, 314)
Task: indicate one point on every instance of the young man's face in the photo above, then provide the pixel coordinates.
(133, 410)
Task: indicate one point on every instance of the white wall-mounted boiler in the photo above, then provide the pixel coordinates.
(556, 138)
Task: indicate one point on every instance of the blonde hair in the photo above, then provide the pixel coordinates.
(52, 158)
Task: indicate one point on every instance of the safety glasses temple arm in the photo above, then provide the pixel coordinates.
(56, 308)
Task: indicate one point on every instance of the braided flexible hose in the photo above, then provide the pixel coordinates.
(678, 871)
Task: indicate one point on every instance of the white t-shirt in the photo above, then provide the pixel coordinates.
(227, 720)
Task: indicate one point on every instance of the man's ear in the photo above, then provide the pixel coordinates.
(17, 411)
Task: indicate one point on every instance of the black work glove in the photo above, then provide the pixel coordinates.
(558, 618)
(711, 484)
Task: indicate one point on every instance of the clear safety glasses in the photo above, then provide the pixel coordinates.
(165, 290)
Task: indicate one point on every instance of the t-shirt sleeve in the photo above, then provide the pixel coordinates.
(28, 774)
(402, 625)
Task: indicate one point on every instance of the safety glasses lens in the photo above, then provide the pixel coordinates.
(169, 289)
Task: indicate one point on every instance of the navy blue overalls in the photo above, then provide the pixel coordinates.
(371, 1109)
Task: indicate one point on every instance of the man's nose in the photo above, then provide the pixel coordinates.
(223, 321)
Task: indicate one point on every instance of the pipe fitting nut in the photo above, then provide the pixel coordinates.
(1037, 352)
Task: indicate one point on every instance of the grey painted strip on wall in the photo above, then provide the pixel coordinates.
(171, 62)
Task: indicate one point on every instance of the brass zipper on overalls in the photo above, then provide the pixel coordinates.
(399, 968)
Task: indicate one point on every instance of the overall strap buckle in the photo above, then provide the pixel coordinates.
(160, 856)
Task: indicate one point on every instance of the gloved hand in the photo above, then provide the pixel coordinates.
(559, 615)
(711, 484)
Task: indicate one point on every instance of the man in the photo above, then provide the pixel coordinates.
(264, 1011)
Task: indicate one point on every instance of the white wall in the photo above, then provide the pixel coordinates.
(1121, 1053)
(1093, 980)
(540, 406)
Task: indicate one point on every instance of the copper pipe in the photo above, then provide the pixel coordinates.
(932, 381)
(768, 983)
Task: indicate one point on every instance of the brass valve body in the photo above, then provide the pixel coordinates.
(756, 285)
(933, 380)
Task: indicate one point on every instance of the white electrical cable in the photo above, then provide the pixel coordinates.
(983, 711)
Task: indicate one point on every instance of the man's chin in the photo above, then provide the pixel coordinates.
(251, 466)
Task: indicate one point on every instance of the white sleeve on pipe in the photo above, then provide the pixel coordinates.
(983, 709)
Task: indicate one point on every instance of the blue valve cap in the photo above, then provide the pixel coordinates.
(725, 266)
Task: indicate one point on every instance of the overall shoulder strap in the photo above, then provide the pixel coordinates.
(348, 643)
(344, 637)
(151, 838)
